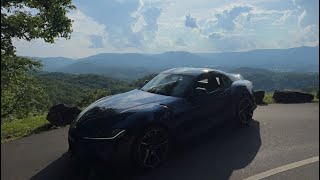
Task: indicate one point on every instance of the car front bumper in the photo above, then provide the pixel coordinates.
(114, 149)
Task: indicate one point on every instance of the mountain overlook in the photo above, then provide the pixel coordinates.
(135, 65)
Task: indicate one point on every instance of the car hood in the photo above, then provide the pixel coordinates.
(130, 99)
(108, 111)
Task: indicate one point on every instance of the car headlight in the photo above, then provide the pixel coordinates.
(115, 133)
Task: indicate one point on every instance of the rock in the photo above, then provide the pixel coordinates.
(62, 114)
(258, 96)
(289, 96)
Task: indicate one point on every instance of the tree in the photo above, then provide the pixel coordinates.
(140, 82)
(28, 20)
(20, 93)
(92, 96)
(31, 19)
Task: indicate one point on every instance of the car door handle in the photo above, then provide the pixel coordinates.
(224, 94)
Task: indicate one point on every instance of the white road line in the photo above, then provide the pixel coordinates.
(283, 168)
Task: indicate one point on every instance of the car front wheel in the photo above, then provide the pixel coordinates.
(151, 147)
(245, 110)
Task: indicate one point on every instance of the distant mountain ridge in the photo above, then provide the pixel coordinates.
(54, 63)
(135, 65)
(293, 59)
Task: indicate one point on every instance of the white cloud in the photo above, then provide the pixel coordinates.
(243, 27)
(146, 24)
(191, 21)
(215, 36)
(86, 25)
(309, 35)
(235, 21)
(180, 42)
(139, 24)
(225, 17)
(157, 26)
(85, 36)
(310, 12)
(286, 15)
(302, 17)
(242, 21)
(238, 17)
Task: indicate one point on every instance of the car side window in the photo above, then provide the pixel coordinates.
(225, 81)
(212, 82)
(215, 82)
(209, 82)
(202, 83)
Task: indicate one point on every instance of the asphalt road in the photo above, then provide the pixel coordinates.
(279, 135)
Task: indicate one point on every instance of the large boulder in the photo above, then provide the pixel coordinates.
(289, 96)
(62, 114)
(258, 96)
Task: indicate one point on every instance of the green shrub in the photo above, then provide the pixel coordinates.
(18, 128)
(268, 98)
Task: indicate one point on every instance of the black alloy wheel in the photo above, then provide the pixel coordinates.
(245, 111)
(151, 147)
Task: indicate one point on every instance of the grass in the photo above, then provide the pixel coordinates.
(18, 128)
(315, 99)
(268, 98)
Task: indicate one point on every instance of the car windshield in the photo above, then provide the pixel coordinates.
(177, 85)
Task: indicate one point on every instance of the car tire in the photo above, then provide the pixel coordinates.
(150, 148)
(244, 109)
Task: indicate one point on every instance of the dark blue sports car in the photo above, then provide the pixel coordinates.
(176, 104)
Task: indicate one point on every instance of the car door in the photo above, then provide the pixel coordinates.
(219, 98)
(203, 110)
(225, 90)
(191, 120)
(215, 102)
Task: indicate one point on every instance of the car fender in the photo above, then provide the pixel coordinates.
(147, 115)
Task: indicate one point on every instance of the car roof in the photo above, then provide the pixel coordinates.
(192, 71)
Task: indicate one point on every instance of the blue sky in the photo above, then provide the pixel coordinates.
(154, 26)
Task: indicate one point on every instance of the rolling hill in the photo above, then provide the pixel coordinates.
(54, 63)
(135, 65)
(70, 88)
(304, 59)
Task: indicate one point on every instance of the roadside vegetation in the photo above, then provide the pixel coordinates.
(268, 98)
(17, 128)
(80, 90)
(315, 93)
